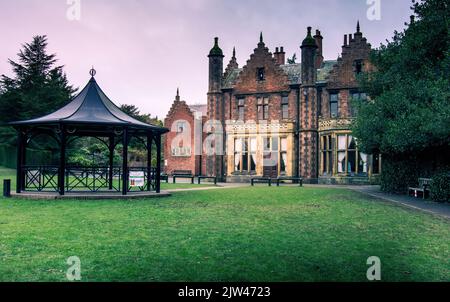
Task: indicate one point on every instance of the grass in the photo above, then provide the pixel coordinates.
(245, 234)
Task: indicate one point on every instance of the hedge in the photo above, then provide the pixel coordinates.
(8, 156)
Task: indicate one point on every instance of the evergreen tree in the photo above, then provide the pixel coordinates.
(409, 114)
(37, 88)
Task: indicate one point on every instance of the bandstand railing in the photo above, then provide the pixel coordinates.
(84, 179)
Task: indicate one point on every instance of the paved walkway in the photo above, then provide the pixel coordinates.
(428, 206)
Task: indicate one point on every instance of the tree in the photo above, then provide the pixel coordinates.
(409, 111)
(37, 88)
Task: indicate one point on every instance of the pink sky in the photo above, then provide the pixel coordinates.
(144, 50)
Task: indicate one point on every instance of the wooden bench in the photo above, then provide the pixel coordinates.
(267, 180)
(207, 177)
(287, 178)
(183, 174)
(423, 189)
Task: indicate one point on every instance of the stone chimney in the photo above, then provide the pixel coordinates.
(280, 55)
(319, 41)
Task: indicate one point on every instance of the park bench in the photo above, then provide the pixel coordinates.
(267, 180)
(422, 190)
(164, 177)
(183, 174)
(207, 177)
(287, 178)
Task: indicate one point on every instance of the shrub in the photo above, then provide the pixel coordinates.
(440, 187)
(398, 173)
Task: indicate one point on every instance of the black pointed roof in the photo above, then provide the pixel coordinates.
(91, 106)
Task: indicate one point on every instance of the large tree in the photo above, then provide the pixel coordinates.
(409, 111)
(38, 86)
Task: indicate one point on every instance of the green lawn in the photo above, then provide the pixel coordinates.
(246, 234)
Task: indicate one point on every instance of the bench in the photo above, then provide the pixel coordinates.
(164, 177)
(183, 174)
(293, 179)
(423, 189)
(267, 180)
(207, 177)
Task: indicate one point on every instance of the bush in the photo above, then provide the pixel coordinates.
(398, 173)
(440, 187)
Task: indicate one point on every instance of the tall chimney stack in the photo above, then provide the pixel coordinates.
(280, 55)
(319, 41)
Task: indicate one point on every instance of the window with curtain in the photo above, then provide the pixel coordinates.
(253, 149)
(245, 150)
(350, 160)
(283, 155)
(237, 154)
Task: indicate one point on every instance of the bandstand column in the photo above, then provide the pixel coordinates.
(111, 162)
(125, 162)
(20, 142)
(158, 163)
(149, 160)
(62, 161)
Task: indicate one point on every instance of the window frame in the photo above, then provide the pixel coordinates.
(260, 74)
(262, 108)
(284, 107)
(241, 106)
(331, 102)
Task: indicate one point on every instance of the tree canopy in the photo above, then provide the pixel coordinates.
(409, 110)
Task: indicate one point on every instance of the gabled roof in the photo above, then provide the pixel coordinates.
(324, 72)
(90, 107)
(293, 71)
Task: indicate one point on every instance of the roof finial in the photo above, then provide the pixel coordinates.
(261, 39)
(178, 94)
(92, 72)
(234, 52)
(358, 28)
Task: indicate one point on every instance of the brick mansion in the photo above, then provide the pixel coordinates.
(278, 118)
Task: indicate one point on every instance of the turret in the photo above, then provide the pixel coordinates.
(215, 67)
(309, 51)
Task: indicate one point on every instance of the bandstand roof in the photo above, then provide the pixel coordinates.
(91, 107)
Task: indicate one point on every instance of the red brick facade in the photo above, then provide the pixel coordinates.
(315, 96)
(180, 114)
